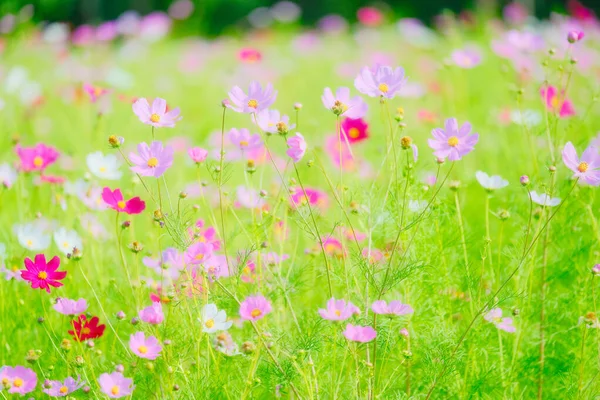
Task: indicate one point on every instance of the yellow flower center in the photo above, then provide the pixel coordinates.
(155, 118)
(65, 244)
(338, 312)
(63, 389)
(114, 390)
(247, 270)
(5, 382)
(102, 169)
(38, 161)
(354, 133)
(243, 143)
(152, 162)
(29, 243)
(18, 382)
(209, 323)
(583, 166)
(497, 319)
(42, 275)
(255, 313)
(453, 141)
(384, 87)
(554, 102)
(252, 103)
(199, 256)
(86, 331)
(15, 268)
(143, 349)
(121, 204)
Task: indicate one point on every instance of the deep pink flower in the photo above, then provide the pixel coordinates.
(18, 379)
(43, 274)
(296, 147)
(36, 158)
(394, 307)
(114, 199)
(383, 82)
(369, 16)
(575, 36)
(255, 101)
(70, 307)
(61, 389)
(249, 55)
(254, 308)
(338, 310)
(362, 334)
(354, 130)
(157, 115)
(586, 168)
(107, 31)
(315, 197)
(334, 247)
(453, 143)
(143, 347)
(115, 385)
(495, 316)
(342, 104)
(557, 102)
(198, 154)
(152, 314)
(152, 160)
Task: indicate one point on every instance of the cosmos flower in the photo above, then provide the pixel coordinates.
(394, 307)
(198, 154)
(272, 122)
(19, 380)
(114, 199)
(32, 236)
(148, 348)
(586, 168)
(158, 116)
(254, 308)
(171, 263)
(67, 240)
(94, 92)
(338, 310)
(342, 104)
(255, 101)
(362, 334)
(115, 385)
(249, 55)
(505, 324)
(61, 389)
(198, 252)
(216, 267)
(466, 58)
(340, 153)
(8, 175)
(315, 197)
(42, 274)
(152, 160)
(383, 82)
(490, 183)
(369, 16)
(36, 158)
(243, 140)
(557, 102)
(104, 166)
(543, 199)
(296, 147)
(152, 314)
(214, 320)
(355, 130)
(70, 307)
(453, 142)
(84, 329)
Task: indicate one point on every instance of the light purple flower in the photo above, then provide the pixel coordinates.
(143, 347)
(61, 389)
(466, 58)
(198, 154)
(272, 258)
(243, 140)
(342, 104)
(385, 81)
(272, 122)
(338, 310)
(152, 314)
(586, 168)
(596, 270)
(115, 385)
(453, 143)
(505, 324)
(170, 264)
(249, 198)
(157, 115)
(255, 101)
(70, 307)
(216, 267)
(198, 252)
(19, 379)
(395, 307)
(543, 199)
(152, 160)
(362, 334)
(296, 147)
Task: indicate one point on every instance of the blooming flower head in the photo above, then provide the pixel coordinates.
(315, 197)
(362, 334)
(152, 314)
(249, 55)
(505, 324)
(342, 104)
(84, 328)
(369, 16)
(272, 122)
(67, 240)
(255, 101)
(18, 379)
(198, 154)
(243, 140)
(32, 236)
(383, 82)
(8, 175)
(586, 168)
(36, 158)
(70, 307)
(156, 115)
(394, 307)
(216, 267)
(114, 199)
(596, 269)
(61, 389)
(355, 130)
(557, 102)
(254, 308)
(543, 199)
(94, 92)
(214, 320)
(43, 274)
(490, 183)
(104, 166)
(338, 310)
(115, 385)
(466, 58)
(198, 253)
(152, 160)
(144, 347)
(453, 142)
(296, 147)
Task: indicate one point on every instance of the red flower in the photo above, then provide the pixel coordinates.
(116, 202)
(356, 130)
(84, 329)
(41, 274)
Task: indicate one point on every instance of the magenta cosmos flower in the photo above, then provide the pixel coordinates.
(152, 160)
(156, 115)
(505, 324)
(36, 158)
(453, 143)
(557, 102)
(143, 347)
(296, 147)
(342, 104)
(315, 197)
(362, 334)
(61, 389)
(152, 314)
(383, 82)
(198, 154)
(355, 130)
(114, 199)
(254, 308)
(70, 307)
(255, 101)
(338, 310)
(43, 274)
(115, 385)
(18, 380)
(394, 307)
(586, 168)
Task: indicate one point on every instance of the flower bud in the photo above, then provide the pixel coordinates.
(574, 36)
(524, 180)
(297, 106)
(115, 141)
(406, 142)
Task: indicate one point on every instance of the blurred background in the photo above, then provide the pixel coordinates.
(214, 17)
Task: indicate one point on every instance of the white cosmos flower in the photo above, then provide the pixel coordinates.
(490, 182)
(214, 320)
(417, 206)
(8, 175)
(529, 118)
(543, 199)
(32, 236)
(67, 240)
(104, 166)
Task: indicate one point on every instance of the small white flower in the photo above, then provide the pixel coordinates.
(8, 175)
(214, 320)
(32, 236)
(104, 166)
(66, 241)
(417, 206)
(529, 118)
(543, 199)
(15, 79)
(490, 182)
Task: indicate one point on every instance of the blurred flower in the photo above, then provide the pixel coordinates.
(32, 236)
(557, 102)
(395, 307)
(95, 92)
(19, 380)
(8, 175)
(369, 16)
(338, 310)
(248, 197)
(490, 183)
(243, 140)
(198, 154)
(355, 130)
(114, 199)
(104, 166)
(383, 82)
(362, 334)
(296, 147)
(61, 389)
(314, 196)
(198, 252)
(152, 314)
(84, 329)
(272, 122)
(466, 58)
(70, 307)
(67, 240)
(543, 199)
(36, 158)
(505, 324)
(249, 55)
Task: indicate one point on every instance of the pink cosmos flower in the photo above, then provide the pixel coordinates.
(248, 274)
(334, 247)
(114, 199)
(36, 158)
(338, 310)
(254, 308)
(115, 385)
(340, 153)
(394, 307)
(107, 31)
(586, 168)
(505, 324)
(369, 16)
(383, 82)
(272, 121)
(453, 143)
(557, 102)
(243, 140)
(148, 348)
(255, 101)
(596, 270)
(249, 55)
(216, 267)
(355, 130)
(315, 197)
(152, 314)
(296, 147)
(198, 253)
(575, 36)
(43, 274)
(157, 115)
(61, 389)
(515, 13)
(273, 259)
(342, 104)
(198, 154)
(19, 380)
(95, 92)
(466, 58)
(70, 307)
(362, 334)
(152, 160)
(249, 198)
